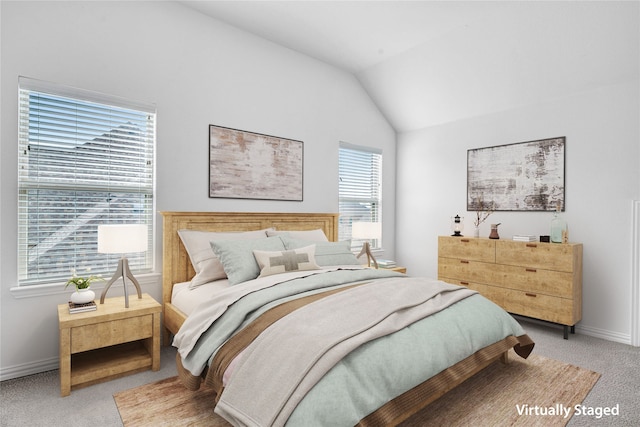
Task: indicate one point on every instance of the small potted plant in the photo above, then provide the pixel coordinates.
(83, 293)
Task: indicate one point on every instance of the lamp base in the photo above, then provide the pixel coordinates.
(122, 271)
(366, 249)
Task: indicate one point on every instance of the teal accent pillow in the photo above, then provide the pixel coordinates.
(237, 257)
(327, 253)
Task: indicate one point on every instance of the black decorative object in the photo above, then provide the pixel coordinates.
(457, 226)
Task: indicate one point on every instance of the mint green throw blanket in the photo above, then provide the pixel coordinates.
(292, 355)
(343, 380)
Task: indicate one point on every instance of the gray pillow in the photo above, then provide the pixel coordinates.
(327, 253)
(206, 264)
(237, 257)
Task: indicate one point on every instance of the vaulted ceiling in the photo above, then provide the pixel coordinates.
(431, 62)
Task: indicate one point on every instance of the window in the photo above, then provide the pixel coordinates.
(84, 159)
(360, 189)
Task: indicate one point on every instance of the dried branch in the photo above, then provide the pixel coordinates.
(483, 210)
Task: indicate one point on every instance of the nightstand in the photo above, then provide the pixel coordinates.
(397, 268)
(109, 342)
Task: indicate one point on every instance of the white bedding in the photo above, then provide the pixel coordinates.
(186, 300)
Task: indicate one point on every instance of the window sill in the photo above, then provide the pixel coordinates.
(32, 291)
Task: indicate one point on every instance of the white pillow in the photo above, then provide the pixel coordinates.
(205, 262)
(311, 235)
(278, 262)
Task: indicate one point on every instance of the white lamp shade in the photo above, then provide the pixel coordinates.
(122, 238)
(366, 230)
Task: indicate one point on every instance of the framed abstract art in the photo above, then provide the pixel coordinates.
(525, 176)
(248, 165)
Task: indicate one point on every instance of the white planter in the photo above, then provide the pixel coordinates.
(82, 296)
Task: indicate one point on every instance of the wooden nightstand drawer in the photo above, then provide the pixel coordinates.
(105, 334)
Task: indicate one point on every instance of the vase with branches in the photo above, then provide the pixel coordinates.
(483, 210)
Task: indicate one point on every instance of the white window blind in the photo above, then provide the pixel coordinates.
(360, 190)
(84, 159)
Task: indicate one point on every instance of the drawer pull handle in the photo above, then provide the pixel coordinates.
(531, 270)
(532, 245)
(464, 261)
(464, 283)
(464, 240)
(530, 295)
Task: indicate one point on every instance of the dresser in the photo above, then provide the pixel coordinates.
(533, 279)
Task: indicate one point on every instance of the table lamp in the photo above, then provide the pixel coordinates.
(122, 239)
(368, 231)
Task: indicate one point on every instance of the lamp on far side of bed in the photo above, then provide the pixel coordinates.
(122, 239)
(368, 231)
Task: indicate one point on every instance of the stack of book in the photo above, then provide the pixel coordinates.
(386, 263)
(80, 308)
(524, 238)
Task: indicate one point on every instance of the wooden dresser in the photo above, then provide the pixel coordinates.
(533, 279)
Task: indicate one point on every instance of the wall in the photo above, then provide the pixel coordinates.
(197, 71)
(602, 179)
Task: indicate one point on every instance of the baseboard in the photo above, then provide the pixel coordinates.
(30, 368)
(635, 274)
(584, 330)
(604, 334)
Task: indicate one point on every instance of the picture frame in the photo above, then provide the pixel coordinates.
(523, 176)
(249, 165)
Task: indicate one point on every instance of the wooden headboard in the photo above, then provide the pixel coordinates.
(176, 266)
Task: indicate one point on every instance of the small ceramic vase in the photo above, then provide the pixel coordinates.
(82, 296)
(494, 231)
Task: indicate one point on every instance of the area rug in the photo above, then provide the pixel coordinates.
(533, 392)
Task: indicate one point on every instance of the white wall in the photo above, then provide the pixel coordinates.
(197, 71)
(602, 179)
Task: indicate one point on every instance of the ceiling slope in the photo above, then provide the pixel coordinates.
(431, 62)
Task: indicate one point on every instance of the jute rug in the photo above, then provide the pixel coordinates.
(522, 393)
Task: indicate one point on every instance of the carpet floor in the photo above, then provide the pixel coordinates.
(522, 393)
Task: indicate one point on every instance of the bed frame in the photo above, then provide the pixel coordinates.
(176, 266)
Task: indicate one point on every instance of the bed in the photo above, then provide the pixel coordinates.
(400, 342)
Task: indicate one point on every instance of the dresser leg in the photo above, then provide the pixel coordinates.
(566, 332)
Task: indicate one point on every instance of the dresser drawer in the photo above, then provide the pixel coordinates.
(490, 292)
(99, 335)
(554, 283)
(471, 271)
(540, 306)
(465, 248)
(550, 256)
